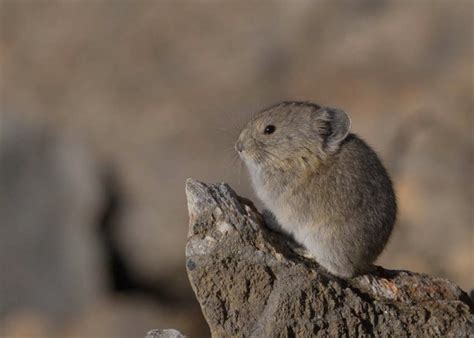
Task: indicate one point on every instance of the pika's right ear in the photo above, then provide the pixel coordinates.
(340, 124)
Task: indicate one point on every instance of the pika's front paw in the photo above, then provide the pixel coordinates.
(301, 251)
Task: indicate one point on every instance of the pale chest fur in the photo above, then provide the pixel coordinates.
(286, 204)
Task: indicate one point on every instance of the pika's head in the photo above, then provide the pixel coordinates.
(292, 134)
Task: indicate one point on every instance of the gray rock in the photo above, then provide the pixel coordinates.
(250, 283)
(168, 333)
(50, 197)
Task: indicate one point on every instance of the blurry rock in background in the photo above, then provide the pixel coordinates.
(432, 160)
(59, 206)
(159, 90)
(50, 198)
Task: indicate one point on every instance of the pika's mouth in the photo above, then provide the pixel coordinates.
(244, 155)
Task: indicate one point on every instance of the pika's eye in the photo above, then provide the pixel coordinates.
(269, 129)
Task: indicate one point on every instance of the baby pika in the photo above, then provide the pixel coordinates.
(324, 185)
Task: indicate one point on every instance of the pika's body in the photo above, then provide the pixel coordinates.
(324, 186)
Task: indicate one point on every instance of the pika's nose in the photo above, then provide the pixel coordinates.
(239, 146)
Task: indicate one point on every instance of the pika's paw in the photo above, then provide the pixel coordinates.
(301, 251)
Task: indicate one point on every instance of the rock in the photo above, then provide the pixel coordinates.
(50, 198)
(250, 283)
(168, 333)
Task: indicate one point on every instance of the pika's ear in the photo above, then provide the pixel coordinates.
(340, 124)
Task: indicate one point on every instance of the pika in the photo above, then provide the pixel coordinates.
(324, 186)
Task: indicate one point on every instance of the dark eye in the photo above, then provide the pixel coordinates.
(269, 129)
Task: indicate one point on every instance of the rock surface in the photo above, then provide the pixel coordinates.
(250, 283)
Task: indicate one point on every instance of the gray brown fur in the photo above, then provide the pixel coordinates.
(325, 186)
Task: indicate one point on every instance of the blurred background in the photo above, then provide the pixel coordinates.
(108, 106)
